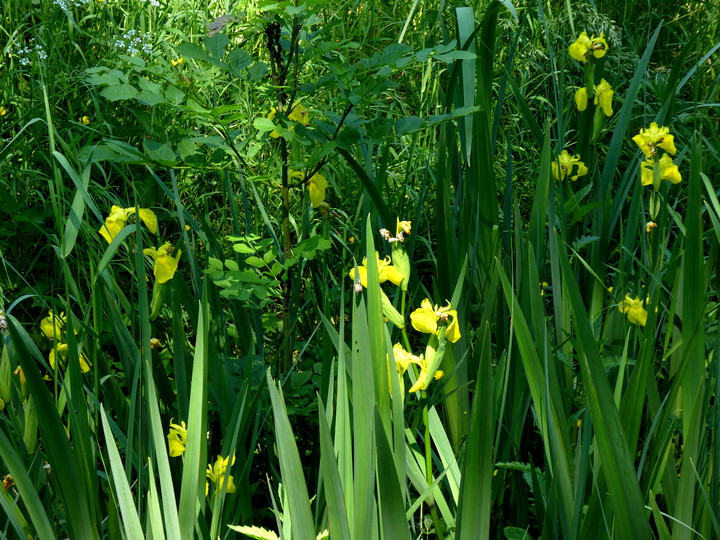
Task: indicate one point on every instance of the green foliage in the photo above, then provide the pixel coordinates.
(544, 365)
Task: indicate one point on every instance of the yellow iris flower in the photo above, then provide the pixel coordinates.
(403, 359)
(603, 97)
(654, 137)
(668, 170)
(165, 263)
(386, 271)
(177, 439)
(564, 165)
(425, 319)
(53, 326)
(585, 46)
(62, 352)
(581, 99)
(634, 309)
(603, 94)
(118, 217)
(217, 473)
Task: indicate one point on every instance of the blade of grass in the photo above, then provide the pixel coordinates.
(291, 468)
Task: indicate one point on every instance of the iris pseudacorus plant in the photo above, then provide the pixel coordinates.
(165, 264)
(403, 359)
(386, 272)
(217, 473)
(657, 167)
(565, 164)
(118, 218)
(634, 309)
(602, 96)
(177, 439)
(585, 47)
(430, 319)
(62, 352)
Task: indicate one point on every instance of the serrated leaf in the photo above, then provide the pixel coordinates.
(255, 532)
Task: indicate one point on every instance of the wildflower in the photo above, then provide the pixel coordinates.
(603, 96)
(155, 343)
(165, 263)
(543, 286)
(84, 120)
(585, 46)
(650, 226)
(668, 170)
(62, 352)
(118, 217)
(177, 62)
(177, 439)
(401, 229)
(8, 482)
(21, 374)
(298, 114)
(403, 359)
(563, 166)
(634, 309)
(581, 99)
(53, 326)
(649, 140)
(386, 271)
(3, 111)
(425, 319)
(217, 474)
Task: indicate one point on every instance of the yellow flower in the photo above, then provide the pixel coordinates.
(53, 326)
(118, 217)
(386, 271)
(177, 62)
(649, 140)
(165, 263)
(62, 351)
(633, 308)
(177, 438)
(543, 286)
(3, 111)
(402, 227)
(403, 359)
(585, 46)
(603, 96)
(581, 99)
(668, 170)
(563, 166)
(425, 319)
(649, 226)
(298, 114)
(217, 474)
(21, 374)
(84, 120)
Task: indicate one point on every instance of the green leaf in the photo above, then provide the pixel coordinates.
(291, 469)
(119, 92)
